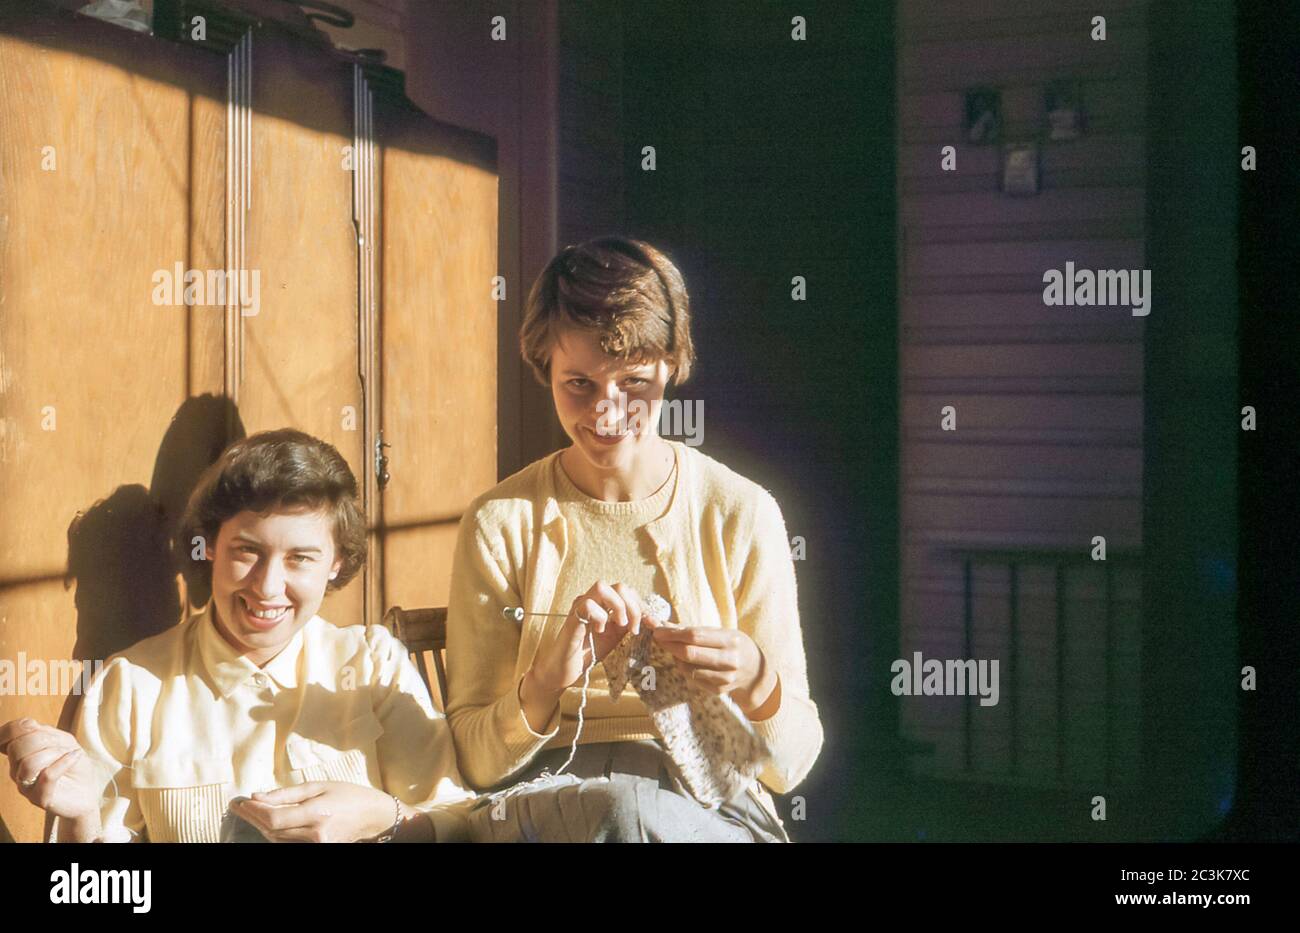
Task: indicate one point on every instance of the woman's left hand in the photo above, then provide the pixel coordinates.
(722, 661)
(321, 811)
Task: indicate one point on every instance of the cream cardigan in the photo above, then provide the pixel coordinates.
(722, 547)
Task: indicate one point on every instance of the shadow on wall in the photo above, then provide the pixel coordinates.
(119, 549)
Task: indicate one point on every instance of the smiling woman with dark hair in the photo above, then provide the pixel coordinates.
(254, 718)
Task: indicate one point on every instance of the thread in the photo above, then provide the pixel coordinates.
(656, 608)
(582, 704)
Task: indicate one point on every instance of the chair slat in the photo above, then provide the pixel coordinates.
(422, 630)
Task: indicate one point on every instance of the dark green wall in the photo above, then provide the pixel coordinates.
(1190, 672)
(775, 158)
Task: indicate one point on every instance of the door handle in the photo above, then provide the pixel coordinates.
(381, 461)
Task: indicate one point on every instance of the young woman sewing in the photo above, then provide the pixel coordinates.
(254, 718)
(588, 534)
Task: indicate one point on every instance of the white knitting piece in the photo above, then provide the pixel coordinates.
(716, 750)
(708, 738)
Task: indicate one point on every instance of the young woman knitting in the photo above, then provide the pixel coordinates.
(556, 566)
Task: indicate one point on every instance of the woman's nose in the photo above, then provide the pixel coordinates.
(610, 405)
(269, 579)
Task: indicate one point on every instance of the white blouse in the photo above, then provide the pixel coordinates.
(181, 723)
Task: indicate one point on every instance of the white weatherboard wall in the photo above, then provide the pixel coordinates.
(1048, 447)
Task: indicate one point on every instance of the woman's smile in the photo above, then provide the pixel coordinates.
(606, 440)
(261, 616)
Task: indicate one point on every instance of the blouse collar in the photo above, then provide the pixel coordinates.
(229, 669)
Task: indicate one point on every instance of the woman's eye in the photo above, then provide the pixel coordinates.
(577, 383)
(637, 381)
(300, 559)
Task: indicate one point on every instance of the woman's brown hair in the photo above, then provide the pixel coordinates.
(270, 470)
(625, 291)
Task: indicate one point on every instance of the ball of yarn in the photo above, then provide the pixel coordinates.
(657, 608)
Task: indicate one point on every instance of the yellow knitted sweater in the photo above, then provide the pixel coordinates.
(717, 551)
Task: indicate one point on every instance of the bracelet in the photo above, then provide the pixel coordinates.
(397, 820)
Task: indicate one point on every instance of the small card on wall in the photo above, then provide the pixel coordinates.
(1020, 169)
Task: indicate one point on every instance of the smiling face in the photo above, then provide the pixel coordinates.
(269, 573)
(608, 406)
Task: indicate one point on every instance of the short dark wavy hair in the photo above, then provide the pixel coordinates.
(270, 470)
(625, 291)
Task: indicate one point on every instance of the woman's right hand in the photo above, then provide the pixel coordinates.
(51, 769)
(610, 611)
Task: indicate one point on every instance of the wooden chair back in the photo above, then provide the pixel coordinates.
(422, 630)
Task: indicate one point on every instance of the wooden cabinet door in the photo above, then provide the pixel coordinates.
(300, 350)
(438, 344)
(110, 171)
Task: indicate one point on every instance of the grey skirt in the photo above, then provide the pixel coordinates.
(613, 792)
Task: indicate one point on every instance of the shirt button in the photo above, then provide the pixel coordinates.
(260, 679)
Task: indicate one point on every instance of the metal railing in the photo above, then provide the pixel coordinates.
(1058, 562)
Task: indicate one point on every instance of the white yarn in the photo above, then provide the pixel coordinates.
(582, 705)
(657, 608)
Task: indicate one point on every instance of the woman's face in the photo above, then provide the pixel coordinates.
(269, 573)
(608, 406)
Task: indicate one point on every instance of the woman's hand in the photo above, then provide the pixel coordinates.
(610, 611)
(721, 661)
(322, 811)
(52, 771)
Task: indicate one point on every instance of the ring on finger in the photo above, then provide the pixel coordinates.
(30, 783)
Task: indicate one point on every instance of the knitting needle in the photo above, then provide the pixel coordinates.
(517, 613)
(656, 610)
